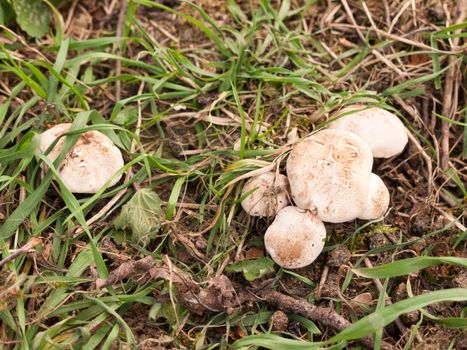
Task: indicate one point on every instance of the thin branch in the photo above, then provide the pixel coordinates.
(326, 316)
(35, 241)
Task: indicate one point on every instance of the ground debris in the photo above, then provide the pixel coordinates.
(330, 289)
(339, 256)
(33, 242)
(461, 280)
(400, 293)
(218, 296)
(126, 270)
(279, 321)
(326, 316)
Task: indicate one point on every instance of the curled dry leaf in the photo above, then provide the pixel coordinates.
(365, 299)
(218, 296)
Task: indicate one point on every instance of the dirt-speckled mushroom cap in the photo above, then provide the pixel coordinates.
(383, 131)
(330, 172)
(89, 164)
(270, 194)
(377, 201)
(295, 238)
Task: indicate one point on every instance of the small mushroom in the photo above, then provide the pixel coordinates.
(383, 131)
(377, 201)
(270, 194)
(89, 164)
(295, 238)
(330, 172)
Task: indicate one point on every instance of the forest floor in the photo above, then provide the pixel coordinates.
(199, 96)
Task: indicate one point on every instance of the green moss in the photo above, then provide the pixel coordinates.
(359, 240)
(384, 229)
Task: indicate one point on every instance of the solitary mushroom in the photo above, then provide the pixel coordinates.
(377, 201)
(89, 164)
(268, 194)
(330, 172)
(383, 131)
(295, 238)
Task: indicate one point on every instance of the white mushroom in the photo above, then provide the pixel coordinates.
(89, 164)
(330, 172)
(378, 200)
(270, 194)
(295, 238)
(383, 131)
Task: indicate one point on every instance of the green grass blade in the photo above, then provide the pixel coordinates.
(210, 33)
(242, 115)
(120, 320)
(407, 266)
(378, 319)
(274, 342)
(24, 209)
(176, 189)
(409, 83)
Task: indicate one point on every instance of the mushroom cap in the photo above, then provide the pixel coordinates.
(377, 201)
(330, 172)
(270, 196)
(383, 131)
(89, 164)
(295, 238)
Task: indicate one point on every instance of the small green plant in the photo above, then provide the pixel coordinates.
(32, 16)
(253, 269)
(142, 214)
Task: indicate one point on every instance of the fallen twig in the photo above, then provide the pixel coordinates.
(35, 241)
(325, 316)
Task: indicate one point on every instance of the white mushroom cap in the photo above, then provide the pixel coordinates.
(378, 200)
(270, 194)
(295, 238)
(383, 131)
(89, 164)
(330, 172)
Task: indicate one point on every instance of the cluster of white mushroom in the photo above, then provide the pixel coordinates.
(329, 177)
(89, 164)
